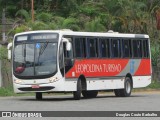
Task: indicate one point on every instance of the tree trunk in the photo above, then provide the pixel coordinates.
(0, 72)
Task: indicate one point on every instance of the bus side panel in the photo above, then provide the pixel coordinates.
(110, 73)
(144, 68)
(109, 68)
(71, 84)
(105, 84)
(97, 67)
(141, 81)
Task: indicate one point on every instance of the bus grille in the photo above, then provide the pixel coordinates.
(36, 89)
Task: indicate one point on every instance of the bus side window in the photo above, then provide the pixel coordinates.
(130, 48)
(84, 52)
(116, 48)
(79, 48)
(92, 47)
(126, 49)
(104, 48)
(145, 49)
(139, 46)
(135, 49)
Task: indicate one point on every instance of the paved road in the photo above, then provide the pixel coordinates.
(104, 102)
(139, 101)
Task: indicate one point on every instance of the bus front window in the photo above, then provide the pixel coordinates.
(45, 58)
(35, 59)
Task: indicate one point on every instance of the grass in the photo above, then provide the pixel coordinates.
(6, 91)
(154, 85)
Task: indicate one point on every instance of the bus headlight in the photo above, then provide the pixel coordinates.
(17, 81)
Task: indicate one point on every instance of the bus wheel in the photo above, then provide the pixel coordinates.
(117, 92)
(90, 94)
(126, 92)
(77, 94)
(38, 96)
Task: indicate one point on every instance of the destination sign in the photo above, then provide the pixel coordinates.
(44, 36)
(37, 37)
(22, 38)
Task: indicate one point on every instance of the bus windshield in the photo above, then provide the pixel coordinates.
(32, 60)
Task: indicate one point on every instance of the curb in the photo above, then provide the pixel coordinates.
(145, 90)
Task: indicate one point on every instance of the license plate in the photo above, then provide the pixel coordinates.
(35, 86)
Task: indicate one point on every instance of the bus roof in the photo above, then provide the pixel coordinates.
(99, 34)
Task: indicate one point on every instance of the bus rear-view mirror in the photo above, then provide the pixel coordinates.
(68, 46)
(9, 51)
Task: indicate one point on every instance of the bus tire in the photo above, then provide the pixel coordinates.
(117, 92)
(90, 94)
(126, 92)
(38, 96)
(77, 94)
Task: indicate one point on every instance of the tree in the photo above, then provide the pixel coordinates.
(23, 14)
(128, 15)
(45, 17)
(94, 26)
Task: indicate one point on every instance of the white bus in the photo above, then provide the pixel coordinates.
(79, 62)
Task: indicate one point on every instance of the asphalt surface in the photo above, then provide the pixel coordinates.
(139, 101)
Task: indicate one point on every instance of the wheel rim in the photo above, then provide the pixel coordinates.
(128, 87)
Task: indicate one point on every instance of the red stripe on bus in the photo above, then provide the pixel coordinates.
(144, 68)
(97, 68)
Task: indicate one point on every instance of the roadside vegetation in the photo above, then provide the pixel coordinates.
(132, 16)
(154, 85)
(6, 91)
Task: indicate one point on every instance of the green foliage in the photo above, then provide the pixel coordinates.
(57, 21)
(38, 25)
(131, 16)
(21, 28)
(23, 13)
(44, 17)
(154, 85)
(11, 10)
(74, 27)
(155, 57)
(6, 91)
(155, 48)
(90, 11)
(94, 26)
(3, 53)
(71, 23)
(53, 26)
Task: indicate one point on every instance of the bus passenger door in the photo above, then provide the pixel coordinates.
(68, 54)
